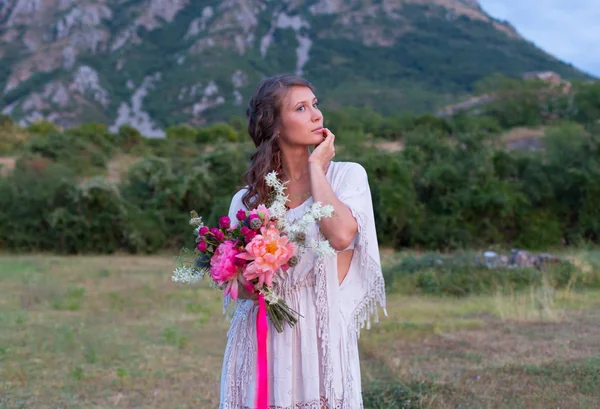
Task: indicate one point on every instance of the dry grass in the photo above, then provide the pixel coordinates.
(520, 133)
(119, 165)
(115, 332)
(389, 146)
(523, 138)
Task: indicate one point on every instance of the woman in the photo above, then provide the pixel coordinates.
(315, 364)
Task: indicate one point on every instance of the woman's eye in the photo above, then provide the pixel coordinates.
(316, 105)
(301, 108)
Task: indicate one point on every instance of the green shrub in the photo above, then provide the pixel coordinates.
(451, 186)
(43, 128)
(539, 229)
(12, 137)
(145, 231)
(28, 198)
(96, 134)
(465, 274)
(217, 132)
(79, 154)
(5, 120)
(129, 138)
(184, 132)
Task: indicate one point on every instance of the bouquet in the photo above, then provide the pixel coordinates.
(254, 251)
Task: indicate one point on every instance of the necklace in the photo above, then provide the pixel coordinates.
(304, 195)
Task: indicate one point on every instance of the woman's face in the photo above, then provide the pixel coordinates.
(301, 119)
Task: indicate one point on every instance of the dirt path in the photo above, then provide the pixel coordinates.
(502, 364)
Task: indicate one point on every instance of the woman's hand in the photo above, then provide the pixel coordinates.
(324, 152)
(341, 229)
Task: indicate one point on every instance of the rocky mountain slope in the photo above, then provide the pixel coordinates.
(154, 63)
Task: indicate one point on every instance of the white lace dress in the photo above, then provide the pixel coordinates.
(316, 363)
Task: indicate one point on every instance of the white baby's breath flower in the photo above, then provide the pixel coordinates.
(196, 221)
(279, 188)
(271, 179)
(277, 209)
(187, 275)
(318, 211)
(322, 248)
(300, 227)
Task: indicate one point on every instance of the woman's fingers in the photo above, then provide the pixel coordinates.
(325, 151)
(329, 136)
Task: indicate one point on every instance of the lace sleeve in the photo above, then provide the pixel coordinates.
(369, 292)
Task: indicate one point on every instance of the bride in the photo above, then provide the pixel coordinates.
(315, 364)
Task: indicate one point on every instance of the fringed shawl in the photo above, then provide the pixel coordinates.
(364, 291)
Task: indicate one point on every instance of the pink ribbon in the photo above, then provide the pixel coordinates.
(262, 387)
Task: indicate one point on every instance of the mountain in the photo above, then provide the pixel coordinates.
(155, 63)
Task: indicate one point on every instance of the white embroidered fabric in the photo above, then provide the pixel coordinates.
(316, 363)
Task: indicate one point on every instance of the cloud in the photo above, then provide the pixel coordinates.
(567, 29)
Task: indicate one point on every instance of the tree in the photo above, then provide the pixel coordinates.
(216, 132)
(182, 131)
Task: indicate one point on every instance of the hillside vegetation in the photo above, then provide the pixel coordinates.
(157, 63)
(454, 182)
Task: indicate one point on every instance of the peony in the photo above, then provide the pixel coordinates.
(269, 251)
(225, 269)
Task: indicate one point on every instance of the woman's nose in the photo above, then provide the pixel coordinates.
(316, 116)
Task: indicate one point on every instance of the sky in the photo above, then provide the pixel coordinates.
(567, 29)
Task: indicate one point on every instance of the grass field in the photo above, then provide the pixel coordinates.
(115, 332)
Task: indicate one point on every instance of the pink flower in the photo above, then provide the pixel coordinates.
(269, 251)
(220, 235)
(203, 231)
(224, 222)
(201, 246)
(241, 215)
(263, 212)
(247, 233)
(225, 269)
(214, 231)
(250, 235)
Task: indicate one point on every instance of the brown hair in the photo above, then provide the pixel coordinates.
(264, 122)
